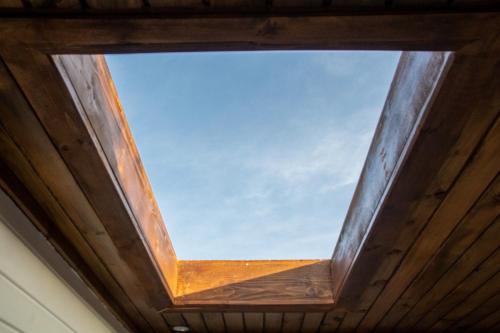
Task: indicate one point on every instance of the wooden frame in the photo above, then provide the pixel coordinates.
(80, 163)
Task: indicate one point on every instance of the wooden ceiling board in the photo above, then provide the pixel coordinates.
(426, 254)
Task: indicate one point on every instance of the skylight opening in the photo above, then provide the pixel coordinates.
(253, 155)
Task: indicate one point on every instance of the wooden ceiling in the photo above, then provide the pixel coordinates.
(247, 6)
(420, 247)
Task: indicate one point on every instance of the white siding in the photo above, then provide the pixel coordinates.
(33, 299)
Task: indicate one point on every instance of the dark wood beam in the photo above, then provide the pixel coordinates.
(450, 162)
(73, 178)
(392, 31)
(417, 78)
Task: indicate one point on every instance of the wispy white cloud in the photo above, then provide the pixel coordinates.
(268, 169)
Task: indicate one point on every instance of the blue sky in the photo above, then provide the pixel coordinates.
(253, 155)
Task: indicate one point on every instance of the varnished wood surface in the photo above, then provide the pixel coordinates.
(89, 81)
(394, 31)
(430, 259)
(254, 282)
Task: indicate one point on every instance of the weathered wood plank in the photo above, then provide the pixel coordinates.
(447, 295)
(462, 110)
(476, 176)
(89, 81)
(412, 88)
(29, 153)
(266, 282)
(458, 244)
(441, 31)
(47, 93)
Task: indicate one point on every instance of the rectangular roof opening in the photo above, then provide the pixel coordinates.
(253, 155)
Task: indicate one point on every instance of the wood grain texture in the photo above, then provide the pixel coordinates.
(481, 168)
(431, 255)
(266, 282)
(89, 81)
(459, 124)
(64, 216)
(384, 32)
(461, 242)
(412, 88)
(94, 210)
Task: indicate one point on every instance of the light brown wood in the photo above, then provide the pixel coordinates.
(91, 220)
(266, 282)
(89, 81)
(64, 215)
(432, 243)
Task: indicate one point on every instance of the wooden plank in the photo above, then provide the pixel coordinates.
(234, 321)
(29, 153)
(273, 321)
(254, 282)
(56, 111)
(450, 292)
(411, 31)
(460, 114)
(458, 244)
(332, 321)
(490, 323)
(412, 88)
(174, 319)
(90, 82)
(292, 321)
(468, 313)
(195, 322)
(214, 322)
(312, 321)
(473, 180)
(254, 322)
